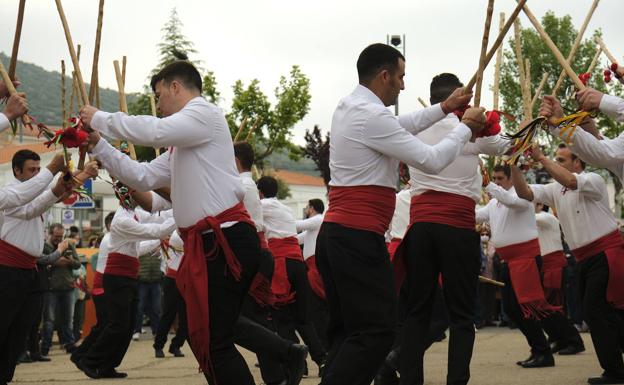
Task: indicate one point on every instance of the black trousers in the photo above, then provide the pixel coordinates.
(320, 318)
(606, 324)
(558, 326)
(20, 297)
(359, 283)
(109, 349)
(34, 334)
(295, 317)
(431, 249)
(173, 304)
(101, 315)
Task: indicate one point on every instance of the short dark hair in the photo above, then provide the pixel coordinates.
(20, 157)
(109, 219)
(182, 71)
(55, 226)
(375, 58)
(442, 86)
(504, 168)
(267, 185)
(574, 157)
(244, 152)
(317, 205)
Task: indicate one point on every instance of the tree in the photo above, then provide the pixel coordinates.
(174, 45)
(317, 149)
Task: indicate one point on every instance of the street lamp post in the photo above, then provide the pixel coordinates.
(398, 41)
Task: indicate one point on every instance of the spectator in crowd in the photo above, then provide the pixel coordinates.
(150, 277)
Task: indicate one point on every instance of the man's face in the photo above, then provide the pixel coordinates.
(165, 98)
(56, 237)
(30, 169)
(501, 179)
(394, 83)
(563, 156)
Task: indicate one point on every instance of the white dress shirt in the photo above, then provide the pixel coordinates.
(549, 233)
(462, 176)
(612, 106)
(126, 232)
(309, 229)
(401, 217)
(159, 203)
(252, 200)
(278, 219)
(18, 194)
(4, 122)
(584, 213)
(23, 225)
(368, 141)
(103, 254)
(511, 218)
(200, 168)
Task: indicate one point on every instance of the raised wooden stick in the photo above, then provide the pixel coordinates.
(575, 45)
(122, 102)
(72, 53)
(7, 79)
(422, 102)
(252, 129)
(527, 78)
(123, 70)
(63, 106)
(75, 90)
(153, 105)
(604, 48)
(521, 69)
(16, 39)
(484, 44)
(553, 48)
(497, 65)
(240, 129)
(491, 281)
(538, 92)
(594, 61)
(498, 41)
(96, 52)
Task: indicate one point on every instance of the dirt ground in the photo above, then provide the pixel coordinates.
(493, 363)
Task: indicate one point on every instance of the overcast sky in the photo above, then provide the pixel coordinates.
(247, 39)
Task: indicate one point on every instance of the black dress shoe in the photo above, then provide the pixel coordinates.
(555, 347)
(176, 352)
(113, 374)
(70, 348)
(296, 364)
(605, 379)
(90, 372)
(520, 363)
(572, 349)
(158, 353)
(540, 361)
(386, 376)
(40, 358)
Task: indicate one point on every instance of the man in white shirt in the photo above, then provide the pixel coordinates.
(582, 204)
(21, 244)
(367, 143)
(16, 106)
(206, 195)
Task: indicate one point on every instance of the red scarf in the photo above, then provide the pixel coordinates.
(613, 247)
(368, 208)
(98, 284)
(525, 278)
(552, 270)
(192, 277)
(122, 265)
(13, 257)
(314, 277)
(283, 248)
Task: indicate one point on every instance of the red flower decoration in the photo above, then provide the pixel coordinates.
(70, 137)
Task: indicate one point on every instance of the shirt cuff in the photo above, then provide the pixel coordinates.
(100, 148)
(99, 122)
(609, 104)
(464, 132)
(49, 198)
(437, 112)
(4, 122)
(46, 175)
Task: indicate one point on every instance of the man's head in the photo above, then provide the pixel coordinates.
(502, 176)
(315, 206)
(569, 160)
(124, 194)
(442, 86)
(381, 69)
(175, 85)
(108, 220)
(25, 165)
(244, 154)
(55, 234)
(267, 187)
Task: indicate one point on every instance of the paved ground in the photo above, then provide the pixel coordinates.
(496, 351)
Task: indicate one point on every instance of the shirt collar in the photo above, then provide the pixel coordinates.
(245, 174)
(367, 94)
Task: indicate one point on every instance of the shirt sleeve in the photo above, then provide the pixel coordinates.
(140, 176)
(600, 153)
(420, 120)
(134, 231)
(384, 134)
(313, 223)
(482, 214)
(544, 193)
(506, 197)
(35, 208)
(591, 185)
(148, 246)
(48, 259)
(4, 122)
(159, 203)
(21, 193)
(301, 237)
(189, 127)
(489, 145)
(612, 106)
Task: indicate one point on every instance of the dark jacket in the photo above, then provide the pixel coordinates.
(149, 270)
(61, 277)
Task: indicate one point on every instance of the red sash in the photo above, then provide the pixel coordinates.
(525, 278)
(122, 265)
(314, 277)
(613, 247)
(98, 284)
(263, 242)
(192, 277)
(281, 249)
(171, 273)
(443, 208)
(552, 270)
(393, 246)
(368, 208)
(13, 257)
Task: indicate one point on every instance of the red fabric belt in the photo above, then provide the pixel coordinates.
(171, 273)
(122, 265)
(263, 242)
(368, 208)
(192, 277)
(314, 277)
(552, 268)
(525, 278)
(282, 249)
(98, 284)
(13, 257)
(393, 246)
(613, 247)
(443, 208)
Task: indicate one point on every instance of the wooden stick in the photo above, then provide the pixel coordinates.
(63, 102)
(521, 69)
(553, 48)
(422, 102)
(72, 53)
(484, 44)
(74, 91)
(499, 40)
(497, 66)
(96, 52)
(123, 70)
(575, 45)
(604, 48)
(97, 92)
(538, 92)
(527, 78)
(491, 281)
(7, 79)
(594, 61)
(252, 129)
(153, 105)
(16, 39)
(122, 102)
(240, 129)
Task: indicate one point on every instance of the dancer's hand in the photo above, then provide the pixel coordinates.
(57, 163)
(474, 118)
(550, 108)
(458, 99)
(17, 105)
(589, 99)
(536, 153)
(86, 115)
(4, 91)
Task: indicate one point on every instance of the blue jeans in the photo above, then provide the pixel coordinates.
(149, 303)
(63, 300)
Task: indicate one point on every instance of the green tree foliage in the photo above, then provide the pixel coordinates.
(317, 149)
(174, 45)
